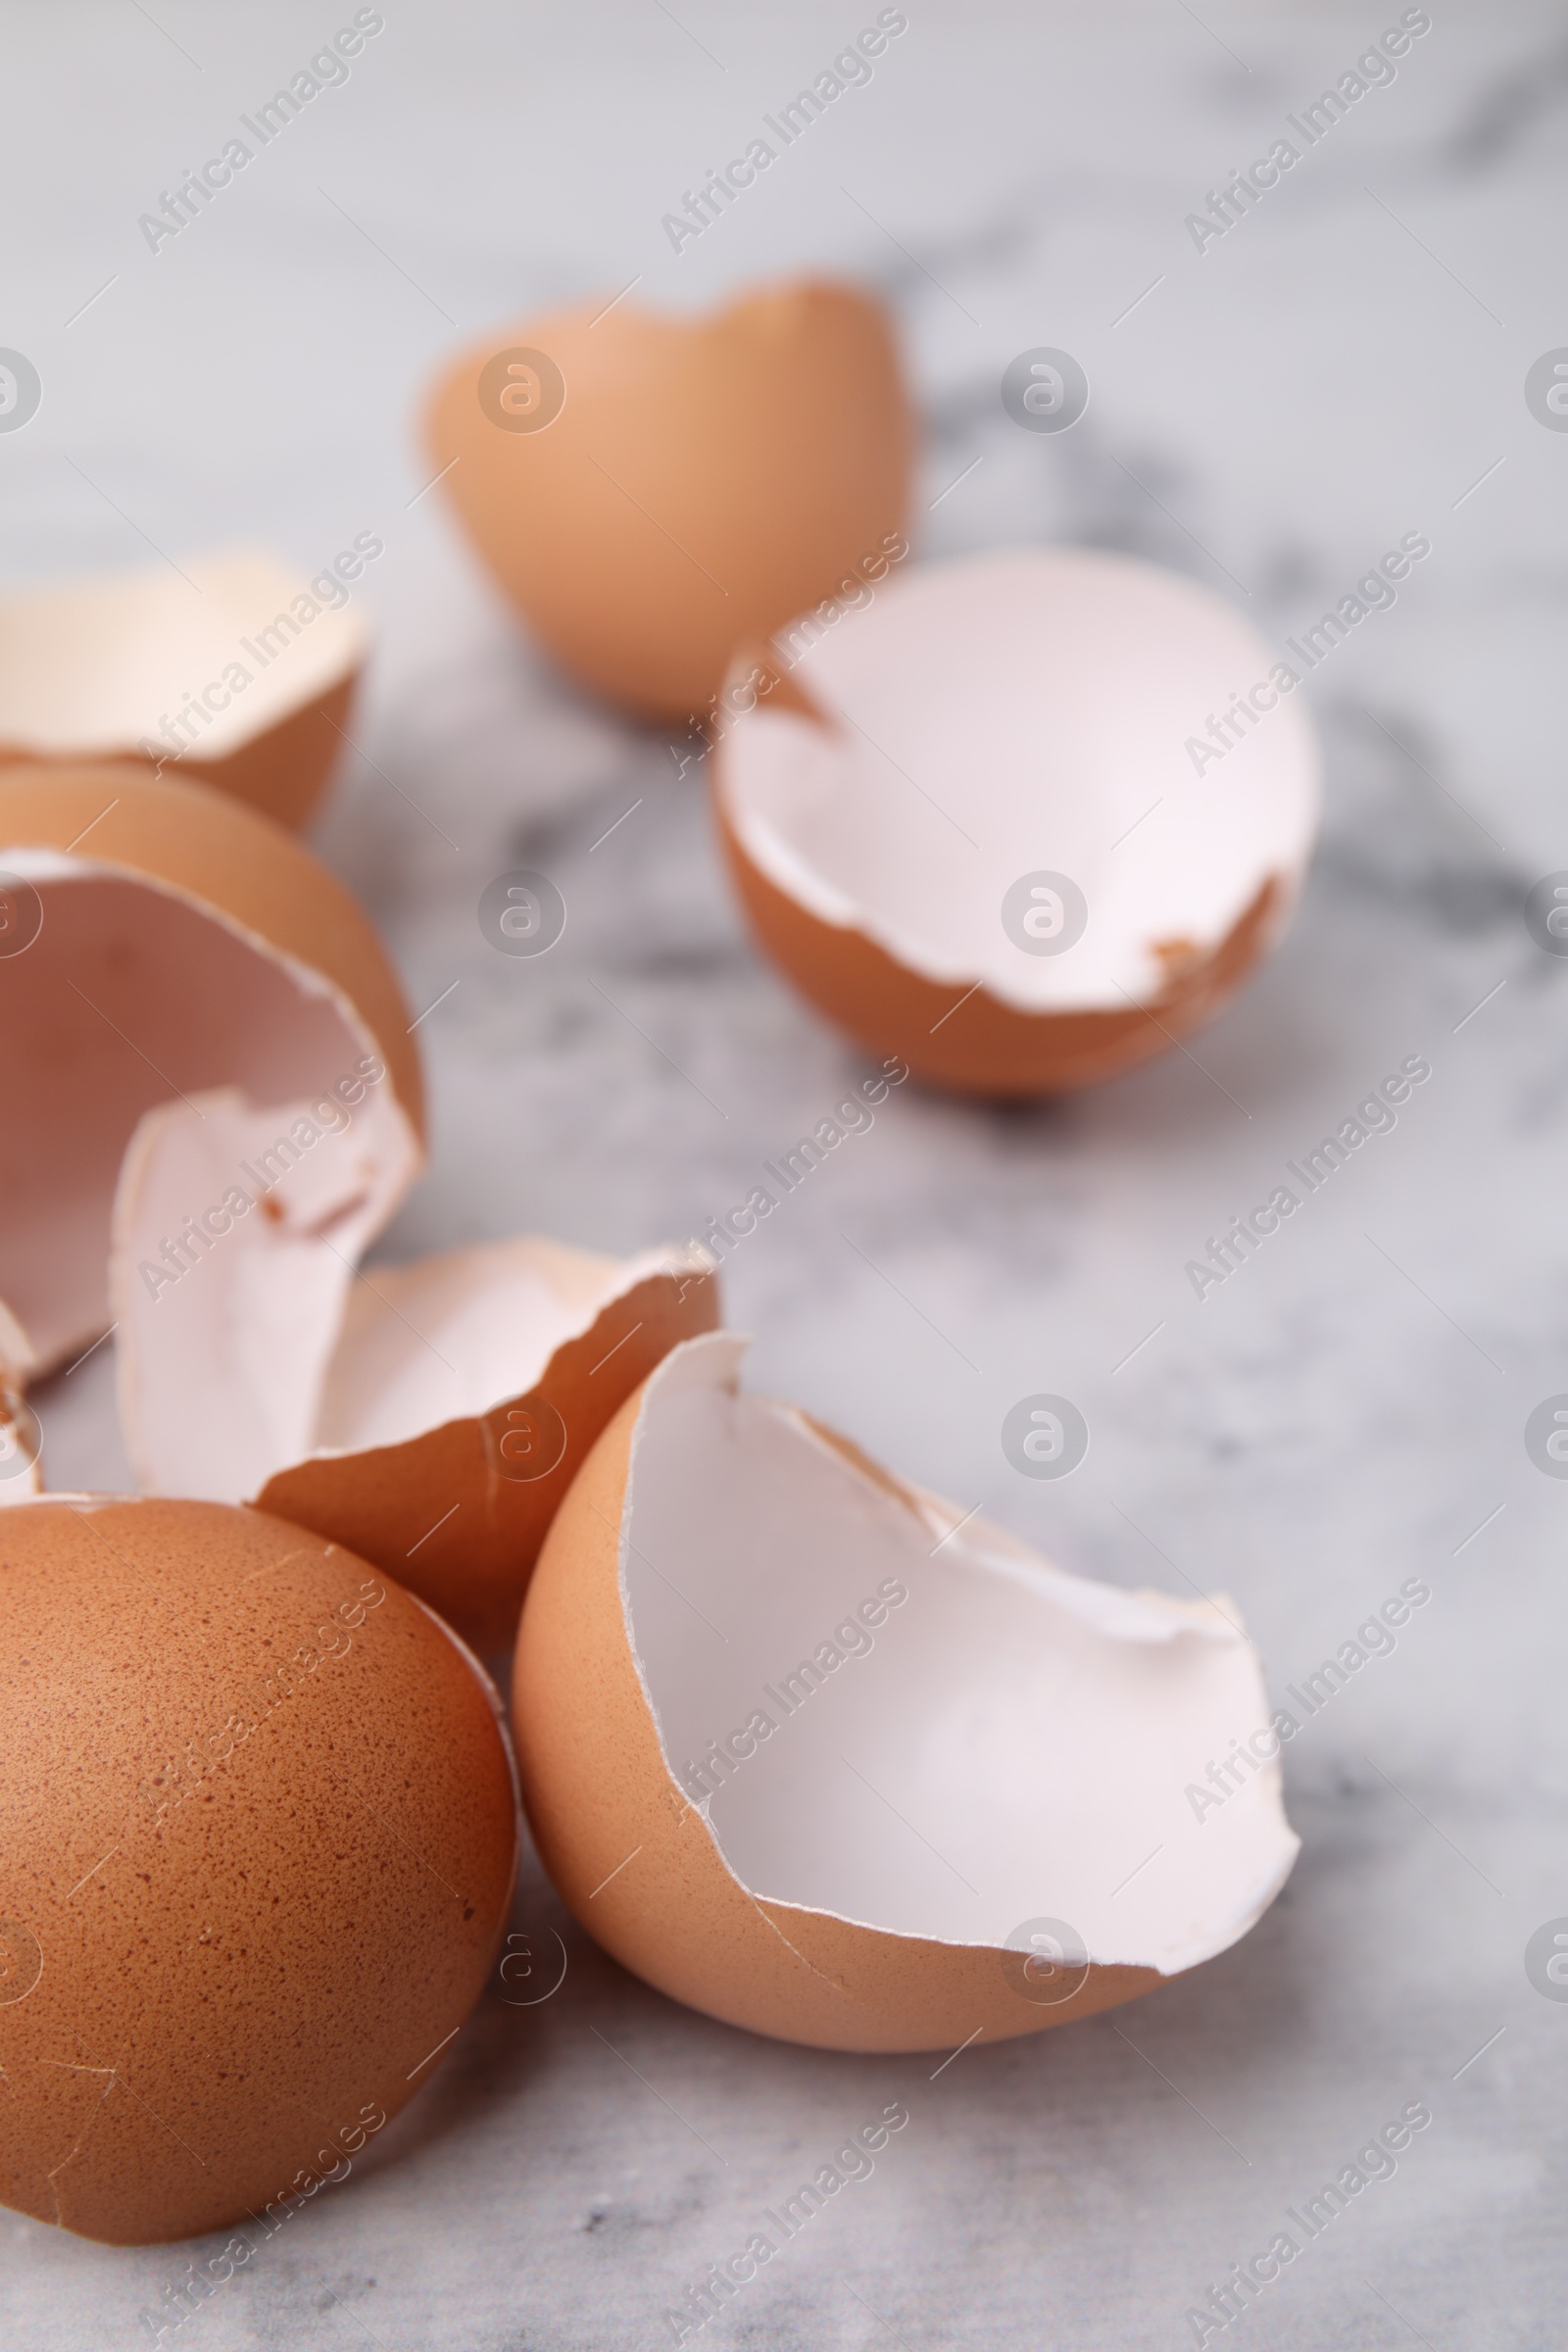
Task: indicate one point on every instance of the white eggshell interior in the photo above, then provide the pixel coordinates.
(1019, 712)
(99, 665)
(456, 1334)
(223, 1350)
(133, 998)
(273, 1344)
(1010, 1743)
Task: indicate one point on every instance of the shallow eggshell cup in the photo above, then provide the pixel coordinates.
(234, 674)
(648, 491)
(895, 780)
(257, 1842)
(748, 1897)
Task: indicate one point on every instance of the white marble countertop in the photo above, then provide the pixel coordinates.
(1346, 366)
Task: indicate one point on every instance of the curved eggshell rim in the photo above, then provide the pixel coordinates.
(640, 1869)
(281, 772)
(972, 1041)
(354, 1495)
(238, 866)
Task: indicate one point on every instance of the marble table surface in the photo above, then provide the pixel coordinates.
(1267, 413)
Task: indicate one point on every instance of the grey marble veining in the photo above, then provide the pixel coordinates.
(1267, 415)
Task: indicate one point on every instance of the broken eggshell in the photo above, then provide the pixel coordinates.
(429, 1417)
(257, 1842)
(1004, 820)
(807, 1752)
(216, 1109)
(234, 670)
(648, 491)
(158, 940)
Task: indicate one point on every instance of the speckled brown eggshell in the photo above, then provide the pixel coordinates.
(258, 1838)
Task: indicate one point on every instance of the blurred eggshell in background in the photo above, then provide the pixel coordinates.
(981, 822)
(648, 491)
(231, 670)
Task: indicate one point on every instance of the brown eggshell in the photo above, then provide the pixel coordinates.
(161, 639)
(447, 1512)
(975, 1044)
(257, 1839)
(636, 1863)
(283, 771)
(702, 481)
(102, 1020)
(897, 780)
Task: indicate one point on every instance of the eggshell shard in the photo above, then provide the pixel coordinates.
(257, 1839)
(449, 1472)
(167, 941)
(429, 1417)
(648, 491)
(896, 785)
(794, 1799)
(235, 673)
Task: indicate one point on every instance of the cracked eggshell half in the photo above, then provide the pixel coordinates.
(981, 821)
(797, 1767)
(429, 1417)
(257, 1842)
(158, 941)
(648, 491)
(234, 671)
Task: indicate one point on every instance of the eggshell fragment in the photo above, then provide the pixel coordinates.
(258, 1840)
(979, 1823)
(164, 939)
(231, 666)
(981, 821)
(429, 1416)
(648, 491)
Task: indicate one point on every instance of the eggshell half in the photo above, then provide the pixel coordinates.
(161, 940)
(257, 1839)
(970, 1820)
(701, 481)
(891, 778)
(429, 1416)
(231, 670)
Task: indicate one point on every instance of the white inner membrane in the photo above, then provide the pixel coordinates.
(100, 665)
(131, 1000)
(1023, 712)
(1004, 1744)
(273, 1346)
(456, 1334)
